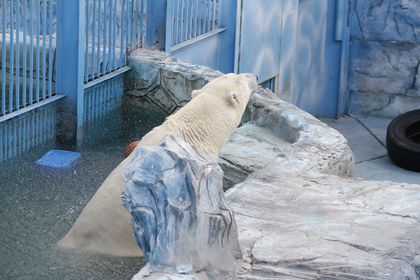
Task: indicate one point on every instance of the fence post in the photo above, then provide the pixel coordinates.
(70, 67)
(155, 24)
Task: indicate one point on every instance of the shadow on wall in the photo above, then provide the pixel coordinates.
(310, 57)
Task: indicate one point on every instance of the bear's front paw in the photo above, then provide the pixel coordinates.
(130, 148)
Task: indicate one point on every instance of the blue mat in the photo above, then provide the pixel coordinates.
(58, 159)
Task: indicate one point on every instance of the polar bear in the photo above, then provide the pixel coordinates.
(206, 122)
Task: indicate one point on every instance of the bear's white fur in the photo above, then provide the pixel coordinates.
(206, 122)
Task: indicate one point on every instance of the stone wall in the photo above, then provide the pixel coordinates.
(384, 57)
(160, 82)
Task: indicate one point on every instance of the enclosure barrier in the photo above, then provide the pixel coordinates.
(26, 53)
(112, 29)
(81, 56)
(189, 19)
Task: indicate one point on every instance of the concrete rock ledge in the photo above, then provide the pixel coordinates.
(179, 214)
(321, 226)
(277, 129)
(299, 213)
(161, 82)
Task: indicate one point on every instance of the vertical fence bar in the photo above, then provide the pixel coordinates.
(179, 23)
(37, 52)
(131, 25)
(143, 23)
(182, 22)
(98, 56)
(187, 19)
(3, 65)
(214, 22)
(202, 9)
(196, 17)
(207, 16)
(31, 51)
(114, 37)
(17, 79)
(136, 25)
(108, 66)
(50, 53)
(191, 20)
(175, 28)
(92, 58)
(44, 50)
(11, 59)
(169, 26)
(122, 31)
(24, 62)
(70, 65)
(129, 12)
(87, 41)
(105, 42)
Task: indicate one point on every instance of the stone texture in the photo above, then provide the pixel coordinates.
(298, 220)
(164, 80)
(279, 129)
(386, 67)
(396, 20)
(301, 226)
(179, 215)
(298, 216)
(384, 57)
(250, 148)
(381, 105)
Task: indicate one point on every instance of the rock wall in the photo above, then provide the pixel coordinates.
(180, 218)
(158, 81)
(384, 57)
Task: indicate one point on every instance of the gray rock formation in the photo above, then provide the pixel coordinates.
(162, 82)
(275, 129)
(384, 56)
(298, 215)
(301, 226)
(180, 218)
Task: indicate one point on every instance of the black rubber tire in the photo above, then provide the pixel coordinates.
(403, 140)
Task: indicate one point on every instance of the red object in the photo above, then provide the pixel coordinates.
(130, 148)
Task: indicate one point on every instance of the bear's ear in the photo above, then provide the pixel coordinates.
(232, 98)
(195, 92)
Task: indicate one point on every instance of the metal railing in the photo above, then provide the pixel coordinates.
(27, 53)
(189, 19)
(112, 29)
(81, 56)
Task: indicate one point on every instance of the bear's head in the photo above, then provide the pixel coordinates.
(234, 89)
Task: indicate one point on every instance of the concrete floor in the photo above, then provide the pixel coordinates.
(367, 139)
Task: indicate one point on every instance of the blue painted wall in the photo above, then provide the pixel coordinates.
(296, 38)
(310, 57)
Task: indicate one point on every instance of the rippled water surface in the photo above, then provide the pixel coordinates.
(38, 206)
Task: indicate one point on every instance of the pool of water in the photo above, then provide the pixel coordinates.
(38, 205)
